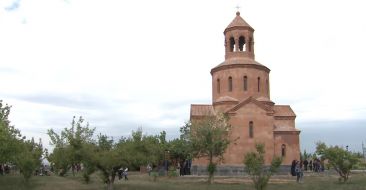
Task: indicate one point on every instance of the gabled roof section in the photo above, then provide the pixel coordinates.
(246, 101)
(226, 99)
(238, 22)
(283, 111)
(200, 110)
(284, 128)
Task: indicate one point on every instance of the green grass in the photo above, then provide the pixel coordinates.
(144, 182)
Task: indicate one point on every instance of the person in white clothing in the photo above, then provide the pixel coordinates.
(125, 173)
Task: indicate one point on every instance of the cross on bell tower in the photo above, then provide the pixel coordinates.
(237, 8)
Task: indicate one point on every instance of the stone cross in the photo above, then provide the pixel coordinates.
(237, 8)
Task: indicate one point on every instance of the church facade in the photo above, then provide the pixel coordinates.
(241, 89)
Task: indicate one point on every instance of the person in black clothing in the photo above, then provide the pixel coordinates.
(7, 169)
(120, 173)
(1, 169)
(316, 165)
(293, 165)
(306, 165)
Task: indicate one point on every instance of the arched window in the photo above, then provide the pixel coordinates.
(245, 81)
(230, 84)
(218, 85)
(259, 81)
(232, 44)
(283, 150)
(251, 129)
(241, 43)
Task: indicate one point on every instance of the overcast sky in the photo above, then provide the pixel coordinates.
(125, 64)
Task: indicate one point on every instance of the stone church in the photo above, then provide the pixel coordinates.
(241, 89)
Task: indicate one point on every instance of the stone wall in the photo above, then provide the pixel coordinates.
(232, 170)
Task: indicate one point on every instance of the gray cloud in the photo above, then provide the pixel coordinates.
(81, 101)
(183, 103)
(342, 133)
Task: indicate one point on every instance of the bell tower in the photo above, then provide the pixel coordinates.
(239, 39)
(239, 77)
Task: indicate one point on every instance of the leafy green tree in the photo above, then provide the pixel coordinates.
(338, 158)
(180, 150)
(209, 138)
(15, 149)
(135, 151)
(305, 155)
(9, 137)
(59, 160)
(88, 160)
(68, 145)
(30, 158)
(254, 163)
(145, 148)
(109, 157)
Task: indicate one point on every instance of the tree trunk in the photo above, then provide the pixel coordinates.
(110, 182)
(73, 169)
(210, 172)
(210, 177)
(110, 186)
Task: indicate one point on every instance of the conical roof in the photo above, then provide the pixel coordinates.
(238, 22)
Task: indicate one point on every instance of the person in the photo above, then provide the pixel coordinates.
(293, 165)
(306, 164)
(181, 172)
(120, 172)
(322, 168)
(178, 168)
(317, 165)
(311, 165)
(125, 173)
(6, 169)
(299, 173)
(148, 168)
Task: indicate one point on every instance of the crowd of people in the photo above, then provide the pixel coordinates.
(123, 173)
(4, 169)
(184, 167)
(180, 168)
(8, 168)
(299, 166)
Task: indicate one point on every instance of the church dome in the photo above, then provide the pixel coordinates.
(239, 62)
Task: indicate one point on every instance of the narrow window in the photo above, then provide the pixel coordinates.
(241, 43)
(251, 129)
(267, 86)
(218, 85)
(283, 150)
(259, 81)
(245, 83)
(232, 44)
(250, 44)
(230, 84)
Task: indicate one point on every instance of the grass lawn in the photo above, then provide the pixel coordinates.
(144, 182)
